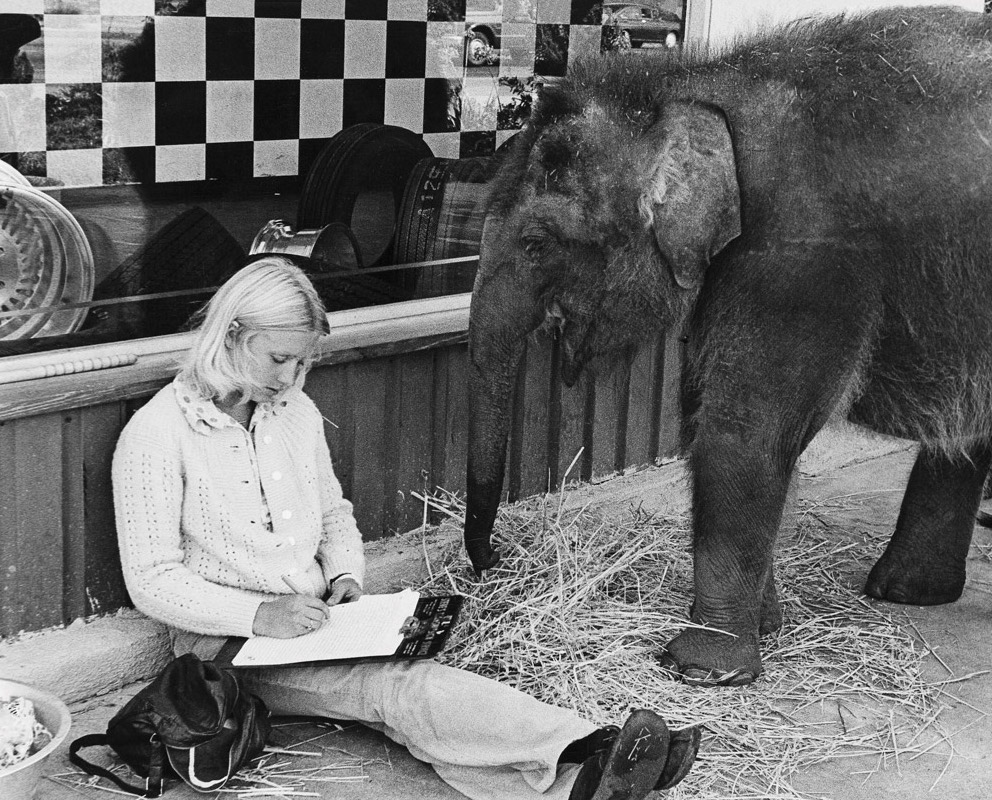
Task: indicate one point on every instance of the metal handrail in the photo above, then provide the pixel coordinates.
(142, 298)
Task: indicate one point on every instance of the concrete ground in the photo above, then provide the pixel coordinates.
(838, 465)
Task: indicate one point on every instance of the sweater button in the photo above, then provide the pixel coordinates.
(290, 540)
(277, 475)
(287, 514)
(267, 439)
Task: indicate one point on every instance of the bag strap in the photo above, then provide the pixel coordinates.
(153, 783)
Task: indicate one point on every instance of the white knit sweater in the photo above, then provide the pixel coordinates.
(191, 514)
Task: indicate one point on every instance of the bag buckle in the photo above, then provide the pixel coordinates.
(153, 783)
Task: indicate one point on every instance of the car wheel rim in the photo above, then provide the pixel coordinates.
(45, 261)
(476, 51)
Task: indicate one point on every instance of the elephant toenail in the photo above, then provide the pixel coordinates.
(700, 677)
(738, 677)
(696, 676)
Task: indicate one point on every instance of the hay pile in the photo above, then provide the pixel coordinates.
(581, 603)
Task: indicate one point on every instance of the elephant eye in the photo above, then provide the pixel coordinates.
(537, 241)
(533, 245)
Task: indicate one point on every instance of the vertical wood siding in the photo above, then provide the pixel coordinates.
(31, 547)
(396, 425)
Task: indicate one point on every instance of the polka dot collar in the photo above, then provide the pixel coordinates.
(204, 417)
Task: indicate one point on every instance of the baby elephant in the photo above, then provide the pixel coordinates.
(812, 212)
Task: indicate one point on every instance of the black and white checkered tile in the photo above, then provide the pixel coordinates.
(192, 90)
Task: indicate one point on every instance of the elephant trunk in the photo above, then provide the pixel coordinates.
(503, 313)
(488, 429)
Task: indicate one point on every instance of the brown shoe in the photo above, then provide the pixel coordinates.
(682, 748)
(632, 767)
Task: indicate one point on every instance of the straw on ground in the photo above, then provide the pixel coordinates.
(581, 602)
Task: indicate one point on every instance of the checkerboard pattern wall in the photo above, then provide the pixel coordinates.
(189, 90)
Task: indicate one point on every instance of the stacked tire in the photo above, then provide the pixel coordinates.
(190, 252)
(358, 179)
(441, 218)
(403, 207)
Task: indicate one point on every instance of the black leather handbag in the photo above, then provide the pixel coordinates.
(195, 721)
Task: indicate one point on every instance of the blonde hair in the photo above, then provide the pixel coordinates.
(271, 293)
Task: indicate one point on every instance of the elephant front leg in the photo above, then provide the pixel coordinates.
(924, 563)
(737, 509)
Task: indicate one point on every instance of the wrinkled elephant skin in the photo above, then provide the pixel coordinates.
(811, 213)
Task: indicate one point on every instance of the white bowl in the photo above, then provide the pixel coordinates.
(21, 780)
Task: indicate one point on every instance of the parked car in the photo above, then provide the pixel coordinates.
(647, 22)
(486, 32)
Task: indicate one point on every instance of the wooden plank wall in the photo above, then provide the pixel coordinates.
(621, 418)
(57, 544)
(396, 424)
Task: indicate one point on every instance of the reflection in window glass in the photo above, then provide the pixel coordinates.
(161, 143)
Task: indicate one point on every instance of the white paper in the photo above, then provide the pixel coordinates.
(369, 626)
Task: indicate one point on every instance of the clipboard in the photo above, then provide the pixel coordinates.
(425, 634)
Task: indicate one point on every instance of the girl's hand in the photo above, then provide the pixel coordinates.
(344, 590)
(288, 616)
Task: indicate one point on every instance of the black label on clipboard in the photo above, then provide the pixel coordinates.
(436, 617)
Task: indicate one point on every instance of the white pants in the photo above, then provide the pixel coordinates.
(487, 740)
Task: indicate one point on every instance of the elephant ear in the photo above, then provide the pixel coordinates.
(692, 199)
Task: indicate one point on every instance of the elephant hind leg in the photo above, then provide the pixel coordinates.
(924, 563)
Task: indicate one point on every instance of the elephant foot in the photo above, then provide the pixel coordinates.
(917, 582)
(705, 658)
(483, 559)
(925, 561)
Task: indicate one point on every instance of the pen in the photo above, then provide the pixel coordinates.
(293, 585)
(297, 589)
